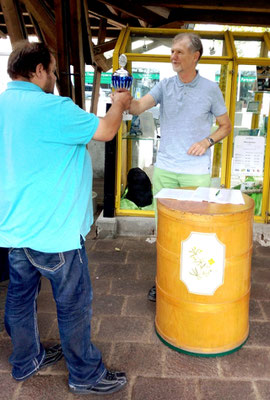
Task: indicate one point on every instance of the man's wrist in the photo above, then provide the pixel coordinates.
(210, 141)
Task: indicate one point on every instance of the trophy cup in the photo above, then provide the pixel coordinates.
(121, 79)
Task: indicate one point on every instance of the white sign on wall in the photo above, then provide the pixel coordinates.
(248, 155)
(202, 263)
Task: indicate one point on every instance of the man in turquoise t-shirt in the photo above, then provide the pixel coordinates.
(45, 214)
(188, 103)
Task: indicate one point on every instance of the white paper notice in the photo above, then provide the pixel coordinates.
(212, 195)
(215, 195)
(248, 155)
(177, 194)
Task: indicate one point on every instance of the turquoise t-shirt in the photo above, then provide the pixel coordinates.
(45, 169)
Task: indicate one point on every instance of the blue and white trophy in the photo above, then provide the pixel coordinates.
(121, 79)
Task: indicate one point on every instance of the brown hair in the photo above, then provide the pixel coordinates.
(195, 43)
(25, 57)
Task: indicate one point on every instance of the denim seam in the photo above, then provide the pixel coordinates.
(35, 321)
(36, 368)
(62, 262)
(80, 257)
(91, 384)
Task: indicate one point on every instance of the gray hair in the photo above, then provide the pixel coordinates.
(195, 43)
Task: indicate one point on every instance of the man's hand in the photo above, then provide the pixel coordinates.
(123, 97)
(198, 148)
(110, 123)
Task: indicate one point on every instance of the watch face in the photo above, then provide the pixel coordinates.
(211, 141)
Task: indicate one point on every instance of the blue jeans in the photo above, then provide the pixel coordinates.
(72, 291)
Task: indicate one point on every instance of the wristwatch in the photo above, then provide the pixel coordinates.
(211, 141)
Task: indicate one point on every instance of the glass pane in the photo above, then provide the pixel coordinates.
(218, 74)
(151, 45)
(250, 48)
(250, 130)
(212, 47)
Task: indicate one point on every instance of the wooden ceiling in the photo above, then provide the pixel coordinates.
(35, 14)
(69, 26)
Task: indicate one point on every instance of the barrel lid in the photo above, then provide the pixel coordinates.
(204, 207)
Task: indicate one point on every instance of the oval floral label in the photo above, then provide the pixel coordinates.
(202, 263)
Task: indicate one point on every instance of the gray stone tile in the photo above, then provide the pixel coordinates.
(137, 243)
(115, 271)
(261, 275)
(143, 359)
(44, 388)
(110, 245)
(46, 303)
(260, 291)
(107, 305)
(164, 388)
(259, 261)
(259, 334)
(139, 306)
(53, 332)
(114, 257)
(147, 272)
(8, 386)
(179, 364)
(144, 256)
(246, 362)
(126, 329)
(5, 353)
(255, 311)
(90, 245)
(101, 286)
(131, 287)
(215, 389)
(45, 285)
(46, 323)
(262, 251)
(263, 388)
(266, 307)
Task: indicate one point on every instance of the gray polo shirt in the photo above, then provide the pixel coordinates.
(186, 117)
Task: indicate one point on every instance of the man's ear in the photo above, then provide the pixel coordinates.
(39, 70)
(196, 56)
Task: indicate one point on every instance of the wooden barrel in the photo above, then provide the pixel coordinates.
(203, 275)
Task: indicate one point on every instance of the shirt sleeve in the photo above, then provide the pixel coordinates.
(218, 106)
(76, 126)
(156, 92)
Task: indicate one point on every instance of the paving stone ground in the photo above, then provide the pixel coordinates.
(122, 271)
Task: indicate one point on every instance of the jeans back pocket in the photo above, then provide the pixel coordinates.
(45, 261)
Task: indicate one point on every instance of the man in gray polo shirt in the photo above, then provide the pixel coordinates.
(188, 103)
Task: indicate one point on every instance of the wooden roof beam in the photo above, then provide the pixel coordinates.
(100, 10)
(237, 5)
(16, 30)
(2, 35)
(106, 46)
(136, 11)
(220, 17)
(76, 47)
(88, 45)
(44, 19)
(63, 59)
(97, 74)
